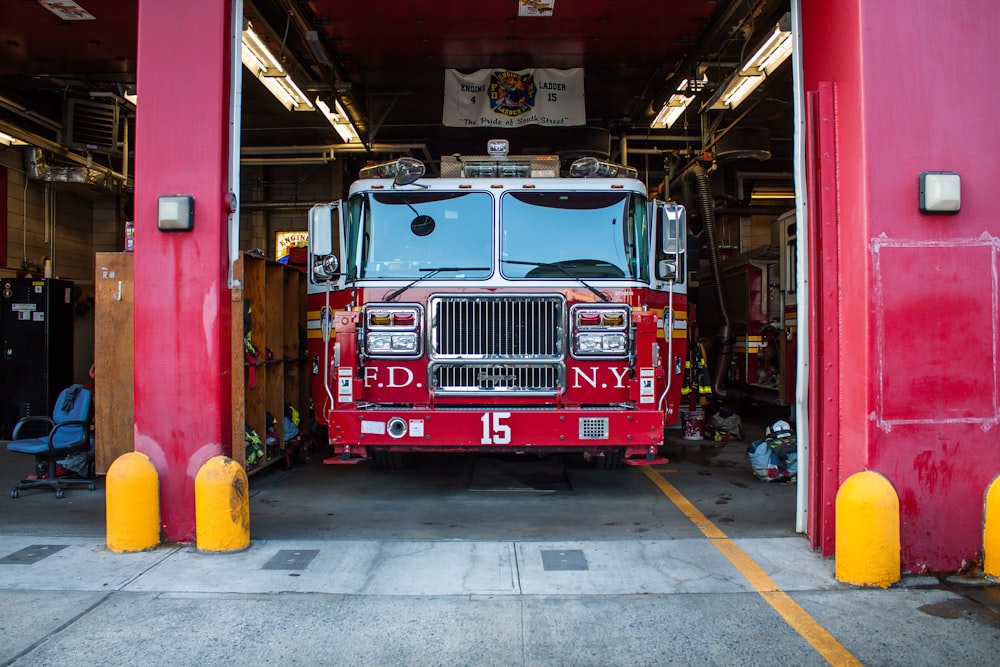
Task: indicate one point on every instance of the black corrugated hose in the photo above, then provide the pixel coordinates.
(726, 333)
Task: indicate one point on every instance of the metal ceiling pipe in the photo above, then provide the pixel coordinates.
(664, 137)
(30, 115)
(753, 210)
(275, 205)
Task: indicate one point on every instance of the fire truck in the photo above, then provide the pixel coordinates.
(499, 307)
(758, 309)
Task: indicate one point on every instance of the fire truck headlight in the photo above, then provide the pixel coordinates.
(379, 342)
(613, 343)
(406, 343)
(383, 342)
(588, 343)
(601, 344)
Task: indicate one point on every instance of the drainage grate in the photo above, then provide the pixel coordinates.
(564, 560)
(32, 554)
(291, 559)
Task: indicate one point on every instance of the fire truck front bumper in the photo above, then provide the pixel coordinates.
(354, 432)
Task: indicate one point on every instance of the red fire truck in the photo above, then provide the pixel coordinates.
(499, 307)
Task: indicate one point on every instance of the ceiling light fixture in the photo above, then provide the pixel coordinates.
(8, 140)
(772, 52)
(261, 62)
(341, 123)
(678, 102)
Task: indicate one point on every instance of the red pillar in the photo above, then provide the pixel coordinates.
(182, 302)
(907, 369)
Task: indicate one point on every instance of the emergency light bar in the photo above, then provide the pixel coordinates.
(498, 166)
(591, 167)
(496, 169)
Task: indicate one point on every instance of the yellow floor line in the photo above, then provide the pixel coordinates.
(796, 617)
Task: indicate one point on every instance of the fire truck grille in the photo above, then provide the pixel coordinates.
(502, 327)
(497, 344)
(495, 377)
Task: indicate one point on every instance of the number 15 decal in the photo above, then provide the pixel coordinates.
(495, 431)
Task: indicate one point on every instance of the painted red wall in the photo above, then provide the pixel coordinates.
(182, 306)
(919, 376)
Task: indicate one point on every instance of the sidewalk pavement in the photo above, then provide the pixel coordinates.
(69, 601)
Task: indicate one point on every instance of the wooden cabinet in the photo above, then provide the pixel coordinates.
(270, 306)
(114, 359)
(279, 376)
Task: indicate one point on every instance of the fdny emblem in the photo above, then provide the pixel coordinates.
(511, 94)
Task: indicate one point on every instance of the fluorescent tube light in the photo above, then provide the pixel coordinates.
(265, 59)
(339, 120)
(8, 140)
(772, 52)
(257, 58)
(678, 102)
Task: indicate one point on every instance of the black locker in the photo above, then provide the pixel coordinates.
(36, 360)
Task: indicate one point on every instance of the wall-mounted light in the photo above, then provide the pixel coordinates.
(678, 102)
(339, 120)
(771, 53)
(940, 192)
(261, 62)
(175, 213)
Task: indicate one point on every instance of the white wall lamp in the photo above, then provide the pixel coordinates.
(678, 102)
(339, 120)
(261, 62)
(940, 192)
(771, 53)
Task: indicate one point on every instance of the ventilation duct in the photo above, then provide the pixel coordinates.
(38, 169)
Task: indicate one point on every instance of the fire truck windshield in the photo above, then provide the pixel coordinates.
(405, 233)
(547, 234)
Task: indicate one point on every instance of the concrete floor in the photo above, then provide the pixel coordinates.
(473, 560)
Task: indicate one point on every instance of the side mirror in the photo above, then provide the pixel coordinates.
(321, 229)
(409, 170)
(666, 269)
(674, 224)
(326, 268)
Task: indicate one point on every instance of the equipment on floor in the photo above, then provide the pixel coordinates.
(775, 457)
(724, 425)
(65, 434)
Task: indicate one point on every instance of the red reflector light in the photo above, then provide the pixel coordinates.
(403, 319)
(589, 319)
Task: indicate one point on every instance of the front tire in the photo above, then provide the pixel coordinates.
(386, 460)
(611, 459)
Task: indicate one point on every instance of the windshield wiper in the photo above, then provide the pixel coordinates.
(561, 269)
(433, 272)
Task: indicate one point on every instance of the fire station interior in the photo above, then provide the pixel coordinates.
(667, 92)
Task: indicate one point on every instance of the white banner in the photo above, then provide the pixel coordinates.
(504, 98)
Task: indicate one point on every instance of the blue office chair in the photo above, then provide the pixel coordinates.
(66, 433)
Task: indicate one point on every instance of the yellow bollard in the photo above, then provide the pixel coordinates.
(991, 530)
(132, 503)
(222, 506)
(867, 552)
